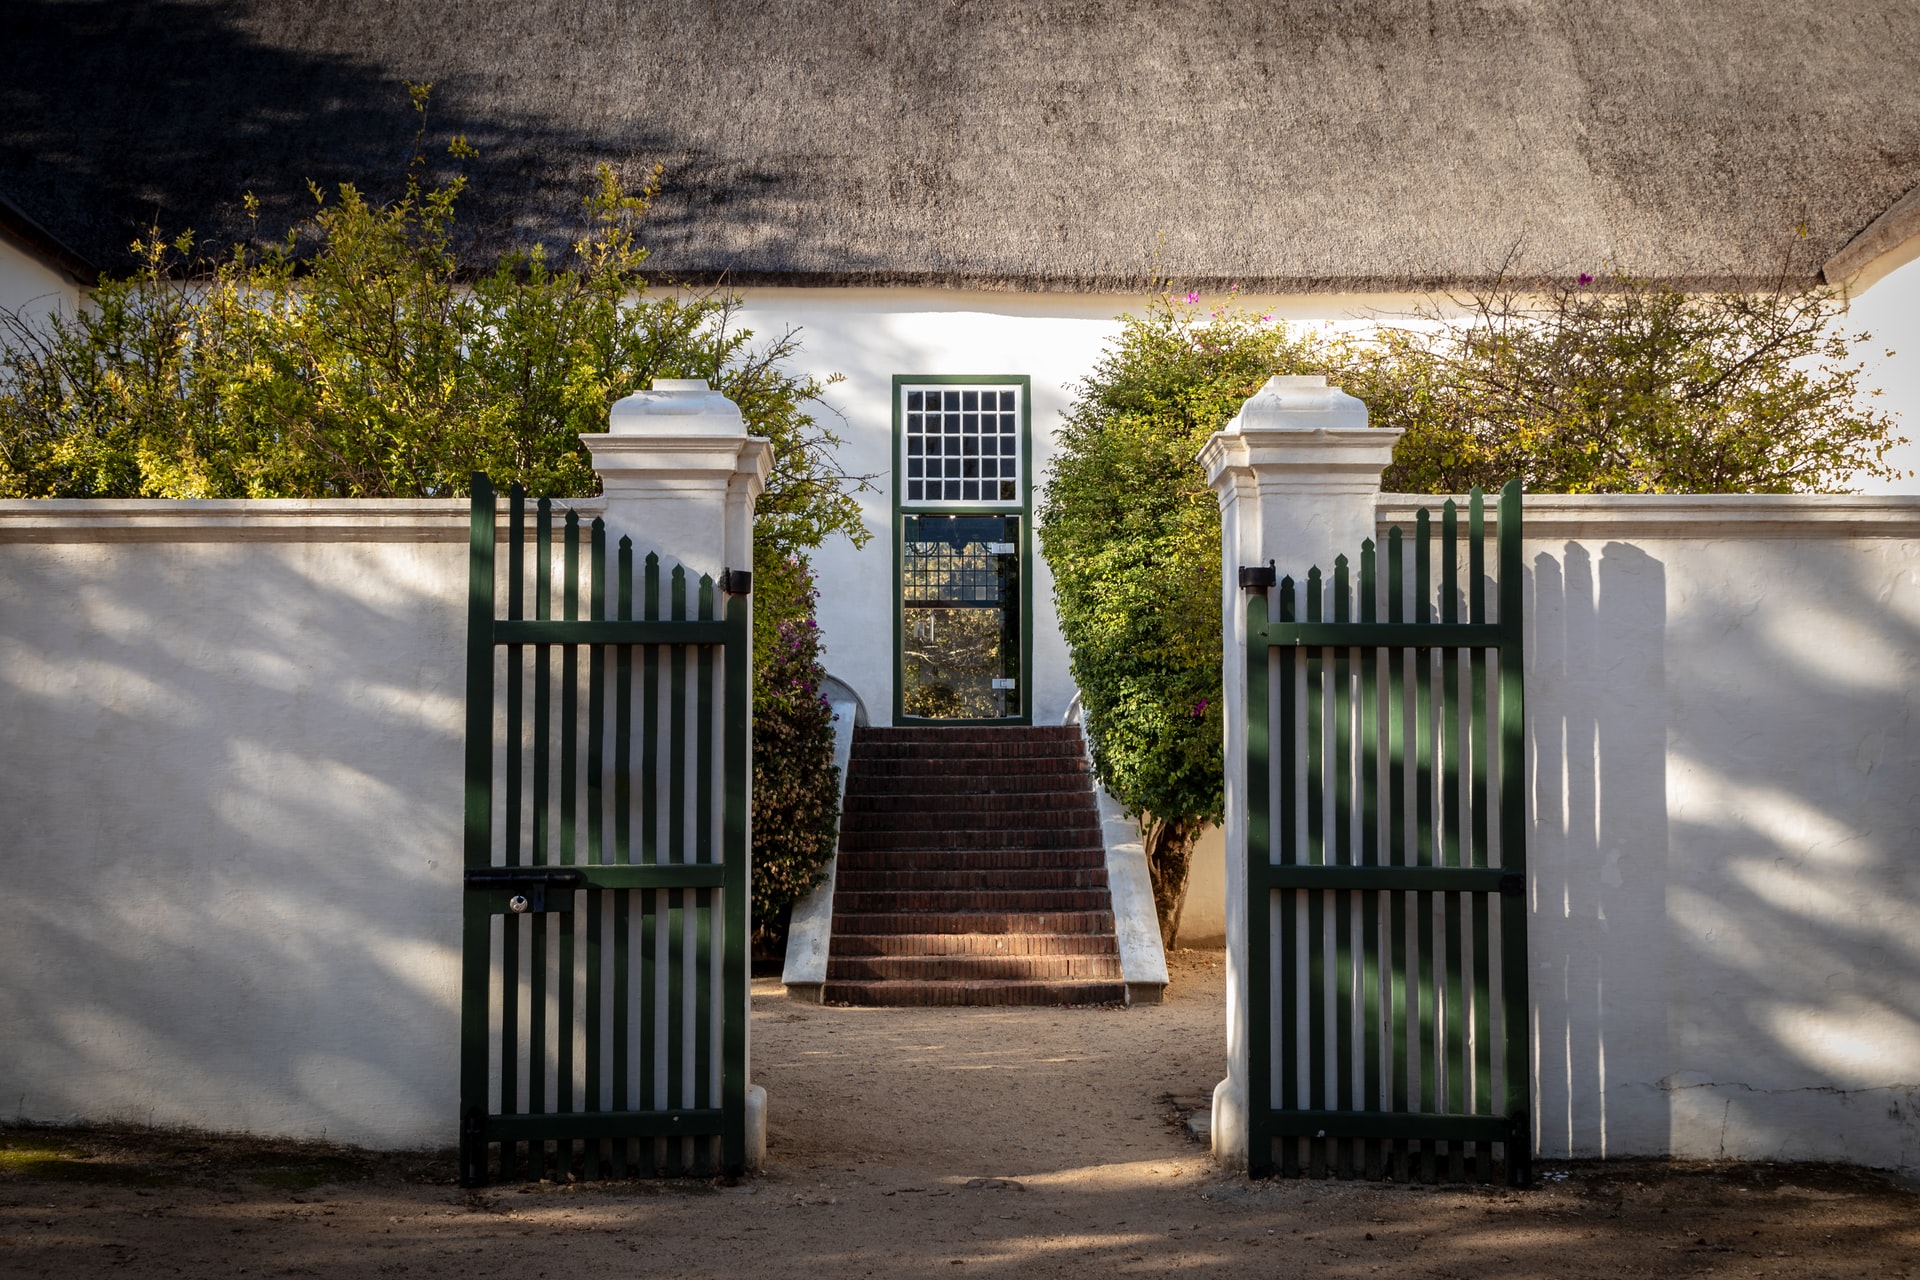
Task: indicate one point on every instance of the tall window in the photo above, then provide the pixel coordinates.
(962, 583)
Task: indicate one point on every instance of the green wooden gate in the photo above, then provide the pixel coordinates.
(604, 992)
(1387, 1002)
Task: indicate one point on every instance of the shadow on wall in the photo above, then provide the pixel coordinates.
(1724, 768)
(1598, 855)
(233, 806)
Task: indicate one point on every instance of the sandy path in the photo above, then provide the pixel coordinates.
(935, 1143)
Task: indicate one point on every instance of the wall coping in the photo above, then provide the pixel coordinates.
(1689, 515)
(246, 519)
(1548, 515)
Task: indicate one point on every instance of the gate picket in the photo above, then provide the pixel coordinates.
(586, 1051)
(1406, 1024)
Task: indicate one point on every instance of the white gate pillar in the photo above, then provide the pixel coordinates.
(1297, 472)
(681, 475)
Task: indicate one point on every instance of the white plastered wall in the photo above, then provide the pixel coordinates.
(870, 335)
(232, 802)
(1889, 309)
(29, 287)
(1722, 700)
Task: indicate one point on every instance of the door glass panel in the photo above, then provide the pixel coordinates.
(960, 638)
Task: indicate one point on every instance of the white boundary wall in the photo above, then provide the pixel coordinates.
(1723, 727)
(232, 805)
(232, 797)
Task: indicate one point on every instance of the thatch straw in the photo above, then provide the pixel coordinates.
(1052, 144)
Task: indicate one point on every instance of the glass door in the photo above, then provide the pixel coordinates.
(960, 617)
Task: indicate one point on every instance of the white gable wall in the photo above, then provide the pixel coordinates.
(1890, 310)
(870, 335)
(30, 287)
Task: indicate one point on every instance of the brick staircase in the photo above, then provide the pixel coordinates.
(971, 873)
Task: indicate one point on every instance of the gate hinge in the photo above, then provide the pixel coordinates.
(737, 582)
(1513, 884)
(1258, 577)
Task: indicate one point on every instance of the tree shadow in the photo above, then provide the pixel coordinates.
(1723, 782)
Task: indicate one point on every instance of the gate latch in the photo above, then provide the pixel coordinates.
(1258, 577)
(525, 887)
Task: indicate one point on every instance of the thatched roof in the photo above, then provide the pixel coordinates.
(1282, 144)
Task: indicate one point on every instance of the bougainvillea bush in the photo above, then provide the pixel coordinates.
(796, 785)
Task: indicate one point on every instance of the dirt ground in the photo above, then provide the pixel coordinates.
(938, 1142)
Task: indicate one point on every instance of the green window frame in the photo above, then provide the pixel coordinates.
(1020, 505)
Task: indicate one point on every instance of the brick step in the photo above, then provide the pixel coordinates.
(1015, 878)
(941, 818)
(883, 734)
(985, 836)
(1014, 783)
(883, 800)
(966, 754)
(971, 921)
(970, 859)
(972, 968)
(861, 767)
(971, 944)
(961, 901)
(983, 992)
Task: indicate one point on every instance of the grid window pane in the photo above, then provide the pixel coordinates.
(974, 431)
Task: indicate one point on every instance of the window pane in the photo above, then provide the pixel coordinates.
(914, 488)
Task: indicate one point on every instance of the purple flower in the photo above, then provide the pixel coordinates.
(1192, 296)
(1585, 279)
(1199, 708)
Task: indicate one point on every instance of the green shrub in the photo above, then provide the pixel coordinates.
(1132, 535)
(1614, 386)
(355, 359)
(796, 785)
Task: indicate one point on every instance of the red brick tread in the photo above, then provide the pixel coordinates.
(972, 944)
(984, 992)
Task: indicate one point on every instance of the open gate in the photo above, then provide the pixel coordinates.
(604, 969)
(1387, 999)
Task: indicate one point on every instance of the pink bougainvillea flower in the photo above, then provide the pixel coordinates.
(1585, 279)
(1192, 296)
(1199, 708)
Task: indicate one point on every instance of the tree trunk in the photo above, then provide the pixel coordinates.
(1169, 848)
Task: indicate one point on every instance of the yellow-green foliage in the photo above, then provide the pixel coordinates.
(356, 360)
(1624, 386)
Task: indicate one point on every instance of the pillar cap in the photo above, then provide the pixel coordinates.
(1298, 402)
(676, 407)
